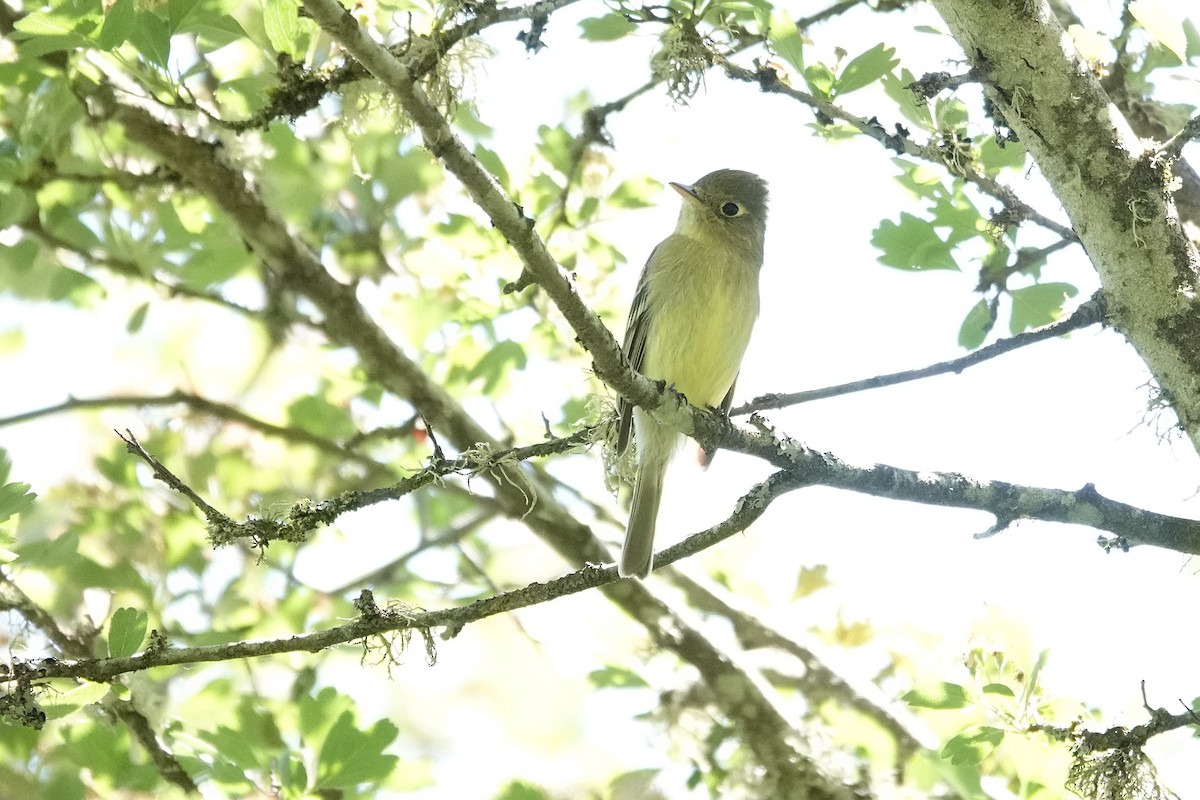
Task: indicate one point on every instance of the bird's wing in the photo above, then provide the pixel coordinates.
(636, 330)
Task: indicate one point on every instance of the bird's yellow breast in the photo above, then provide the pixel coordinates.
(703, 301)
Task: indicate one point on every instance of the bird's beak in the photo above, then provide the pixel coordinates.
(685, 190)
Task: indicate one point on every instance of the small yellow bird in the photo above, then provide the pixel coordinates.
(692, 314)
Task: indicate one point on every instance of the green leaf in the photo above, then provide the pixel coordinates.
(350, 756)
(238, 748)
(1163, 21)
(69, 25)
(67, 284)
(61, 704)
(950, 113)
(922, 179)
(607, 28)
(16, 205)
(1038, 305)
(1029, 261)
(520, 790)
(961, 779)
(317, 415)
(282, 23)
(213, 33)
(118, 25)
(53, 112)
(16, 276)
(994, 158)
(914, 109)
(220, 258)
(178, 11)
(639, 192)
(555, 147)
(976, 325)
(786, 40)
(152, 38)
(912, 244)
(126, 632)
(973, 748)
(15, 498)
(492, 163)
(866, 68)
(415, 172)
(12, 340)
(811, 580)
(820, 80)
(588, 208)
(611, 677)
(41, 45)
(959, 215)
(137, 318)
(1031, 680)
(942, 696)
(64, 222)
(1001, 689)
(43, 24)
(495, 364)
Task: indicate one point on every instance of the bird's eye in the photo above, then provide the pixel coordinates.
(731, 210)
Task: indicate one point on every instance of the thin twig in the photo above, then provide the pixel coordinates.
(169, 478)
(898, 141)
(818, 682)
(1173, 147)
(1090, 313)
(218, 410)
(307, 515)
(594, 121)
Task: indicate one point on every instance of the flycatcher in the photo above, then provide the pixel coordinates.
(692, 314)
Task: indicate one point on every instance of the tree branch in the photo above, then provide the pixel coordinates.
(1173, 147)
(78, 646)
(1118, 738)
(768, 81)
(216, 409)
(128, 269)
(817, 681)
(1008, 502)
(1110, 185)
(307, 516)
(1111, 763)
(594, 121)
(164, 760)
(301, 90)
(12, 598)
(1088, 313)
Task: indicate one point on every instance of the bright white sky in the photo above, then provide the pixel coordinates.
(1058, 414)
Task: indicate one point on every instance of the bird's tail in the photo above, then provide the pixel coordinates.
(637, 555)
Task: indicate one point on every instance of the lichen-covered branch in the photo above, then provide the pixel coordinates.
(1114, 188)
(1007, 502)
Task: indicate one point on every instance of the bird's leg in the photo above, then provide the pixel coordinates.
(705, 454)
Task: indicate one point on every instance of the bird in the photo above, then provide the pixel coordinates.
(692, 314)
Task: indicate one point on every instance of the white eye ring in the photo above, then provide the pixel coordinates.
(731, 209)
